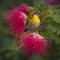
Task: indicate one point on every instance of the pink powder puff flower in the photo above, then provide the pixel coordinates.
(16, 20)
(34, 43)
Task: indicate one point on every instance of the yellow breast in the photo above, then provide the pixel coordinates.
(35, 18)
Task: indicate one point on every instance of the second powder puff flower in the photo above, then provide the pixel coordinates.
(34, 43)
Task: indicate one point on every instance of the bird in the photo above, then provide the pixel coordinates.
(33, 20)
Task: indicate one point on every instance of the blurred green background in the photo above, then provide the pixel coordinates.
(50, 27)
